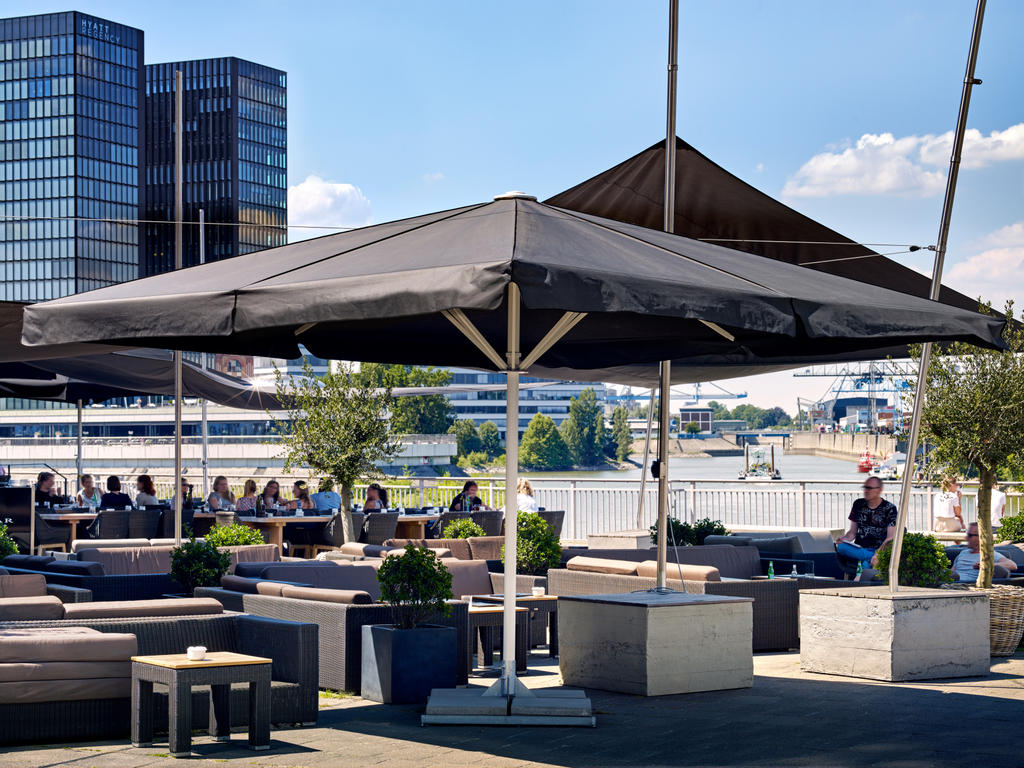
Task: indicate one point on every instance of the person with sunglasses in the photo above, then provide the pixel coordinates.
(967, 563)
(872, 526)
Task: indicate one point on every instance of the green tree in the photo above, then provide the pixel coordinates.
(490, 439)
(773, 417)
(748, 413)
(621, 438)
(973, 417)
(718, 410)
(336, 425)
(583, 431)
(417, 414)
(542, 446)
(692, 428)
(466, 437)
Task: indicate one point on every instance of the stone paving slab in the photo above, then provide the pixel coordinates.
(787, 718)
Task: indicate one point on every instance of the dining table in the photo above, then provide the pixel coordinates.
(273, 526)
(414, 526)
(71, 518)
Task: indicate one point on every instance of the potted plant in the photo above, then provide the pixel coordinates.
(404, 661)
(198, 564)
(462, 529)
(686, 535)
(923, 562)
(537, 545)
(234, 535)
(7, 544)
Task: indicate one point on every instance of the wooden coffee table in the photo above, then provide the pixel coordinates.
(484, 620)
(546, 605)
(218, 670)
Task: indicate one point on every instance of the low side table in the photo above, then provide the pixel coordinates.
(491, 618)
(540, 604)
(218, 670)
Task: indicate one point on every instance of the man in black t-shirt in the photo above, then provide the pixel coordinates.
(872, 525)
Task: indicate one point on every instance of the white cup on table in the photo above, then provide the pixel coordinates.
(538, 591)
(196, 652)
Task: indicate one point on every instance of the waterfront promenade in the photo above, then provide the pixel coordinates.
(786, 718)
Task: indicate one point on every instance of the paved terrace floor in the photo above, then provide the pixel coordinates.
(787, 718)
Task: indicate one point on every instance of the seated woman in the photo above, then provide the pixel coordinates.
(271, 494)
(186, 495)
(114, 498)
(467, 501)
(524, 496)
(90, 495)
(247, 501)
(46, 491)
(376, 498)
(220, 497)
(146, 492)
(302, 499)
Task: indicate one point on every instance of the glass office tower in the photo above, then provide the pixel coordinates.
(235, 164)
(71, 86)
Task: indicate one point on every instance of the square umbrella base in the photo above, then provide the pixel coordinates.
(474, 706)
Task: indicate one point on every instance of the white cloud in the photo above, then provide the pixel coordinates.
(315, 202)
(759, 167)
(995, 273)
(909, 166)
(433, 177)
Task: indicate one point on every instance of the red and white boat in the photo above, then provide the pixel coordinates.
(866, 462)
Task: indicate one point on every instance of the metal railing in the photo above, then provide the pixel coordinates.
(604, 505)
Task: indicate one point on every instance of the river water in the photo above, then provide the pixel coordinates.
(793, 468)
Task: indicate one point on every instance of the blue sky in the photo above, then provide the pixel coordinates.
(400, 108)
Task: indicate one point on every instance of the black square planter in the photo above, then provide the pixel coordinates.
(402, 666)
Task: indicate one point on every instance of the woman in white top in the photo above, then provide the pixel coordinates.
(998, 505)
(90, 495)
(524, 496)
(946, 512)
(145, 495)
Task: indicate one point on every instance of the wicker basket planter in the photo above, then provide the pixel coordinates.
(1006, 616)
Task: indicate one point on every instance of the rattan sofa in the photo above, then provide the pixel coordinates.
(291, 645)
(776, 601)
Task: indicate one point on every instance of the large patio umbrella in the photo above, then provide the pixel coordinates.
(506, 285)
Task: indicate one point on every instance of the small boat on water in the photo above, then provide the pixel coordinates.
(867, 461)
(759, 463)
(891, 468)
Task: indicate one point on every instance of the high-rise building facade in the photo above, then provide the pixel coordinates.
(71, 91)
(235, 160)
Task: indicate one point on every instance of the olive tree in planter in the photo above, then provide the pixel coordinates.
(973, 418)
(402, 662)
(339, 425)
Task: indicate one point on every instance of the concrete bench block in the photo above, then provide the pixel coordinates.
(914, 634)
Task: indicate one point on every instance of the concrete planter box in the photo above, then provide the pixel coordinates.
(915, 634)
(653, 645)
(636, 539)
(402, 666)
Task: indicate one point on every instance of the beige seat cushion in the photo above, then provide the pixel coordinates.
(36, 608)
(23, 585)
(469, 577)
(690, 572)
(239, 584)
(271, 588)
(129, 560)
(20, 671)
(253, 553)
(485, 547)
(65, 644)
(350, 596)
(79, 544)
(66, 690)
(117, 609)
(602, 565)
